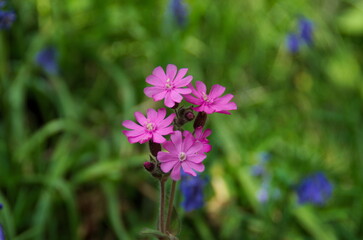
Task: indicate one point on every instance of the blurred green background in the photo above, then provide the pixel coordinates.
(67, 172)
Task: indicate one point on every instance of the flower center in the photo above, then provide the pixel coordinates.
(182, 156)
(168, 84)
(150, 126)
(205, 97)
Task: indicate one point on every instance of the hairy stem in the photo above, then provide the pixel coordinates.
(162, 206)
(171, 203)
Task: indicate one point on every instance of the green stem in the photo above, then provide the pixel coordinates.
(171, 203)
(162, 205)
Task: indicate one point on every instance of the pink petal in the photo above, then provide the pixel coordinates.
(131, 125)
(198, 133)
(161, 114)
(171, 70)
(223, 107)
(199, 167)
(153, 80)
(158, 138)
(183, 90)
(187, 134)
(140, 118)
(192, 100)
(159, 96)
(188, 169)
(183, 82)
(181, 74)
(196, 158)
(194, 148)
(159, 72)
(207, 109)
(224, 112)
(166, 122)
(165, 131)
(216, 91)
(194, 91)
(188, 141)
(175, 173)
(133, 133)
(230, 106)
(202, 108)
(165, 157)
(207, 133)
(151, 114)
(207, 148)
(141, 139)
(223, 100)
(151, 91)
(176, 96)
(201, 87)
(167, 166)
(170, 147)
(168, 101)
(177, 139)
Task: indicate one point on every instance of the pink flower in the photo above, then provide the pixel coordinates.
(201, 136)
(168, 86)
(152, 127)
(183, 153)
(212, 102)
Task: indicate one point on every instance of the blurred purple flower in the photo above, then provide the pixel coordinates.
(179, 11)
(306, 30)
(264, 157)
(304, 35)
(293, 43)
(2, 235)
(192, 191)
(46, 59)
(6, 19)
(258, 170)
(315, 189)
(262, 195)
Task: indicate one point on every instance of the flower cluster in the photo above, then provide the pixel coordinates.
(185, 150)
(315, 189)
(304, 36)
(6, 17)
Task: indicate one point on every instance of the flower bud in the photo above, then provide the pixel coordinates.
(154, 148)
(149, 166)
(184, 115)
(200, 120)
(176, 105)
(189, 116)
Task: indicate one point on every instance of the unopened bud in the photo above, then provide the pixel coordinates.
(149, 166)
(184, 115)
(189, 116)
(200, 120)
(176, 105)
(154, 148)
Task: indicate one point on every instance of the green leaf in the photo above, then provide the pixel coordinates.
(351, 21)
(153, 233)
